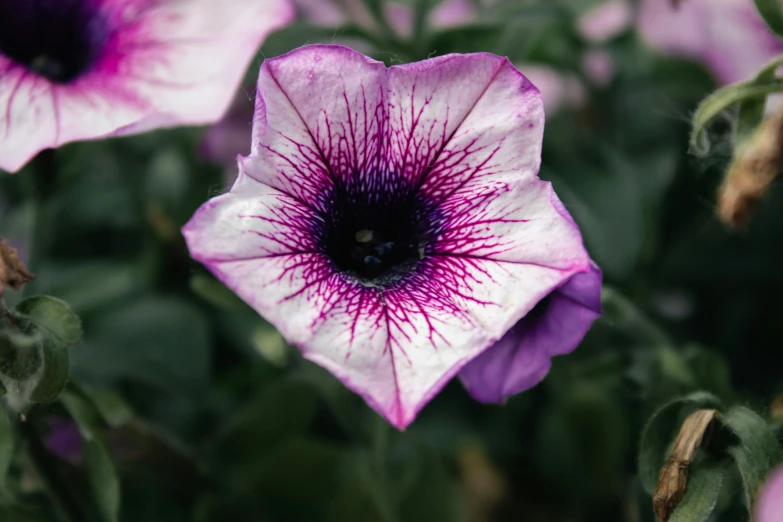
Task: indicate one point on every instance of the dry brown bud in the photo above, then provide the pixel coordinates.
(776, 409)
(12, 272)
(482, 483)
(755, 166)
(673, 477)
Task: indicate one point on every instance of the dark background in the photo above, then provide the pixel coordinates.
(230, 424)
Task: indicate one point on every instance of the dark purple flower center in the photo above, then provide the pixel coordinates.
(379, 235)
(58, 39)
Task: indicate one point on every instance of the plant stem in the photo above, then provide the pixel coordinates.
(39, 188)
(46, 466)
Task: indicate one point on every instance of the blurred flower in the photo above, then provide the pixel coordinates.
(64, 440)
(729, 36)
(769, 506)
(391, 224)
(605, 21)
(230, 137)
(84, 69)
(558, 90)
(599, 66)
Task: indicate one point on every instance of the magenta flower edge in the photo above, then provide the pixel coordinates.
(390, 221)
(85, 69)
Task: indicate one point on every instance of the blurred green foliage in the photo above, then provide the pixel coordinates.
(194, 409)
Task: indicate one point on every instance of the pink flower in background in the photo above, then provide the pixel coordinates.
(230, 136)
(728, 36)
(558, 90)
(391, 224)
(606, 20)
(85, 69)
(769, 506)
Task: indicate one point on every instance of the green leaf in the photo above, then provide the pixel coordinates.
(54, 315)
(751, 110)
(421, 11)
(83, 413)
(59, 327)
(16, 513)
(7, 444)
(758, 451)
(215, 293)
(55, 374)
(160, 341)
(104, 482)
(662, 428)
(701, 495)
(113, 409)
(357, 498)
(297, 480)
(581, 441)
(101, 472)
(20, 356)
(434, 495)
(283, 410)
(772, 13)
(720, 100)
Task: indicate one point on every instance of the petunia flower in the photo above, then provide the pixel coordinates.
(85, 69)
(390, 223)
(769, 506)
(231, 135)
(728, 36)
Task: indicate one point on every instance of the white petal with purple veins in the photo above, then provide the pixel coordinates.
(146, 68)
(389, 222)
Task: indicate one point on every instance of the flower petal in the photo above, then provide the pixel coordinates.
(521, 359)
(769, 507)
(151, 74)
(683, 30)
(504, 240)
(320, 116)
(741, 42)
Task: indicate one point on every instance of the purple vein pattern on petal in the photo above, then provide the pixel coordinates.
(458, 138)
(521, 359)
(149, 72)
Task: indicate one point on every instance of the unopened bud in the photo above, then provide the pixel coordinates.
(776, 410)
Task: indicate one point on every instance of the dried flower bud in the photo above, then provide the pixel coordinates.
(12, 272)
(483, 484)
(776, 409)
(673, 477)
(755, 166)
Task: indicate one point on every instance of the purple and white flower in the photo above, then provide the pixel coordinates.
(391, 224)
(769, 506)
(728, 36)
(84, 69)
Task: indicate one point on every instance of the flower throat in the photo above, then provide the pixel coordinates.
(57, 39)
(377, 237)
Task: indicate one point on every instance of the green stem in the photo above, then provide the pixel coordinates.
(379, 451)
(46, 466)
(40, 185)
